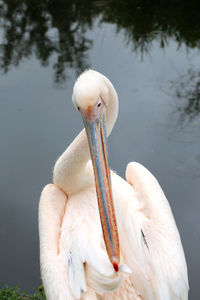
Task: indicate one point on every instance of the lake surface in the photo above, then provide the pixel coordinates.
(156, 74)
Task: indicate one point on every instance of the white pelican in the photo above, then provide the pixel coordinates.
(82, 241)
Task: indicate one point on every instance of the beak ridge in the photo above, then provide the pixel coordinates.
(96, 134)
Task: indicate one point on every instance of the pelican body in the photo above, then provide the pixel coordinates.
(101, 236)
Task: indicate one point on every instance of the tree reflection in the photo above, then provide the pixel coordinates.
(186, 121)
(187, 96)
(58, 27)
(44, 28)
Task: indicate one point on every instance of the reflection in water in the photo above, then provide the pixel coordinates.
(187, 93)
(44, 28)
(59, 27)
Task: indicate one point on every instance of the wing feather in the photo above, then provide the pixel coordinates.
(52, 262)
(169, 277)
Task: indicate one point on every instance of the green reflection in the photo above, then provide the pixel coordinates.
(58, 27)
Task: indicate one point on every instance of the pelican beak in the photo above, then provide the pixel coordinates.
(96, 134)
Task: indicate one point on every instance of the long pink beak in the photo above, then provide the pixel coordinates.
(96, 133)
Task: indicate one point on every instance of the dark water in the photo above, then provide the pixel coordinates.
(151, 53)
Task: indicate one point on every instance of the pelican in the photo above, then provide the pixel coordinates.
(101, 236)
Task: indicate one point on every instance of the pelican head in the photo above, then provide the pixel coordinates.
(96, 100)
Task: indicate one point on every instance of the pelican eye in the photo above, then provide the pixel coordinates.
(78, 107)
(99, 104)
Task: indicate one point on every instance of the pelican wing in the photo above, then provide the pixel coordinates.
(53, 265)
(164, 254)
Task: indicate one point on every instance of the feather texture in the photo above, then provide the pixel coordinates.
(80, 263)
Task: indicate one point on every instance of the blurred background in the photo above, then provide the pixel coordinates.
(150, 50)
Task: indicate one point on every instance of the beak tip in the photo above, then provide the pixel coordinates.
(115, 266)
